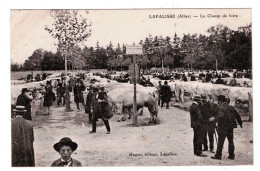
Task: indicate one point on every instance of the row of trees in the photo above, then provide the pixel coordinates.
(222, 46)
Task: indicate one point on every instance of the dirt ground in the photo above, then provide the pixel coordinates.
(168, 143)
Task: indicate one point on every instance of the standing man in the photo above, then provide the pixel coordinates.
(209, 127)
(88, 103)
(98, 105)
(49, 98)
(166, 94)
(58, 93)
(78, 93)
(61, 89)
(197, 123)
(24, 99)
(159, 92)
(226, 119)
(22, 140)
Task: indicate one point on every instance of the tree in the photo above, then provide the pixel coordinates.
(34, 61)
(70, 29)
(218, 40)
(188, 45)
(177, 53)
(239, 49)
(15, 67)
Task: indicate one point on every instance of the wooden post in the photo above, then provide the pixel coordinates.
(250, 107)
(216, 64)
(134, 100)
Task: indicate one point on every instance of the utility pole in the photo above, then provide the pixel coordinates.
(134, 100)
(134, 50)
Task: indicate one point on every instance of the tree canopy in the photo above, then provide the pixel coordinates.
(231, 49)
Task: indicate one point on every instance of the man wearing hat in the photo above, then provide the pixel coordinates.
(209, 127)
(78, 93)
(24, 99)
(49, 98)
(166, 94)
(99, 108)
(66, 147)
(22, 140)
(197, 123)
(89, 98)
(227, 119)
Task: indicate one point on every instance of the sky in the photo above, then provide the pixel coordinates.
(119, 26)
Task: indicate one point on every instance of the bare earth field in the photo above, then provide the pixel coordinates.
(166, 144)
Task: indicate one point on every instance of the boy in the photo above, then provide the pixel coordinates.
(66, 147)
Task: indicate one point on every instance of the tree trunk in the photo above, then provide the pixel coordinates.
(162, 66)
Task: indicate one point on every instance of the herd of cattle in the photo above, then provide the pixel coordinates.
(120, 92)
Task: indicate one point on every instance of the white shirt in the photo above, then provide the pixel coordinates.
(70, 160)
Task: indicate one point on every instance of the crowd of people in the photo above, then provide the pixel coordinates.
(202, 75)
(96, 107)
(204, 116)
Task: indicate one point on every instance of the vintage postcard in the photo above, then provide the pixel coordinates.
(131, 87)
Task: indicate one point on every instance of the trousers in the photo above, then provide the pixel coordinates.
(94, 125)
(222, 134)
(209, 131)
(197, 139)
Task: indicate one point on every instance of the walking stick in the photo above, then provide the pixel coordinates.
(215, 132)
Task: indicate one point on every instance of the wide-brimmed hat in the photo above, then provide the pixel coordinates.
(20, 109)
(196, 97)
(221, 98)
(67, 142)
(25, 90)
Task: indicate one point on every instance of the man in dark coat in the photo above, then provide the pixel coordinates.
(197, 122)
(184, 78)
(78, 93)
(208, 111)
(22, 140)
(49, 98)
(227, 119)
(61, 89)
(98, 107)
(24, 99)
(88, 103)
(166, 94)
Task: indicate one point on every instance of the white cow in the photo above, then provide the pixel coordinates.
(122, 98)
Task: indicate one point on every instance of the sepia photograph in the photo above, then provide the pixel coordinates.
(131, 87)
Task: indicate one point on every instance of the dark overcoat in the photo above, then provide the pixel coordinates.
(78, 93)
(49, 97)
(23, 100)
(166, 93)
(227, 117)
(22, 143)
(99, 108)
(88, 102)
(196, 117)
